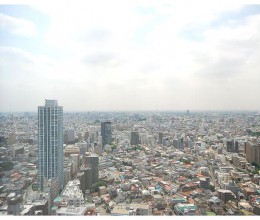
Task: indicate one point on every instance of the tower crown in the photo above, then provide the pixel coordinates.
(51, 102)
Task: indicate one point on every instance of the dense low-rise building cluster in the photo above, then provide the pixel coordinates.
(143, 163)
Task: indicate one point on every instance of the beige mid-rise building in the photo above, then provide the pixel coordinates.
(252, 151)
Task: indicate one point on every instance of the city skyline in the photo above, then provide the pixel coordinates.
(130, 56)
(129, 164)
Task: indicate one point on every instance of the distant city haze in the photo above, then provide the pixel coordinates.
(130, 55)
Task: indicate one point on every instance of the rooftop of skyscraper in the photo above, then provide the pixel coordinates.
(51, 102)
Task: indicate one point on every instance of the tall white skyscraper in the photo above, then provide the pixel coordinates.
(50, 142)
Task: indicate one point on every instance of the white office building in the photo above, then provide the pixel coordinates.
(72, 194)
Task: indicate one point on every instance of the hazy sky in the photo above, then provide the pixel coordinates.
(130, 55)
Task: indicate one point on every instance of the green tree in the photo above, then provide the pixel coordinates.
(96, 185)
(257, 167)
(113, 147)
(6, 166)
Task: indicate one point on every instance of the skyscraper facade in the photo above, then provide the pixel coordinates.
(92, 161)
(106, 133)
(252, 151)
(160, 137)
(135, 139)
(50, 142)
(69, 136)
(232, 146)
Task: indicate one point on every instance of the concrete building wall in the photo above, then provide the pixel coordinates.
(252, 151)
(92, 161)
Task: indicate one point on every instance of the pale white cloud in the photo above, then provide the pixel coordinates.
(17, 26)
(230, 51)
(129, 55)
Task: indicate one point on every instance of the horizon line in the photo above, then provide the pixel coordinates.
(190, 111)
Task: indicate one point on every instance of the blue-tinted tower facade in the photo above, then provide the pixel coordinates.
(50, 142)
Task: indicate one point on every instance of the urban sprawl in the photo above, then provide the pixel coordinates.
(129, 163)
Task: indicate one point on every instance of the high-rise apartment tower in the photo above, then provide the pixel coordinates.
(50, 142)
(252, 151)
